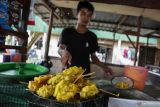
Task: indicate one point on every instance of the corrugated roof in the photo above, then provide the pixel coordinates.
(41, 26)
(110, 15)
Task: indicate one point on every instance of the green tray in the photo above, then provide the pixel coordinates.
(13, 72)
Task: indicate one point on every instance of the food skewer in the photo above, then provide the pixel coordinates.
(82, 76)
(89, 74)
(21, 82)
(117, 95)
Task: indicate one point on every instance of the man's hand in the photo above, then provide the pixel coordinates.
(65, 56)
(66, 59)
(103, 66)
(107, 69)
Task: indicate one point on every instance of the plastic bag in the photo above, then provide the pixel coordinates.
(4, 15)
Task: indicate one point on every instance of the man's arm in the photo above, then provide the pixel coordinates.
(97, 62)
(65, 55)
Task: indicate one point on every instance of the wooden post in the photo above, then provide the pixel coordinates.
(23, 28)
(26, 10)
(24, 48)
(137, 42)
(48, 36)
(146, 57)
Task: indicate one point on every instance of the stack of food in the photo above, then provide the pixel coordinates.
(65, 86)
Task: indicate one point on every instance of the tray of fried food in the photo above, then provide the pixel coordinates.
(64, 86)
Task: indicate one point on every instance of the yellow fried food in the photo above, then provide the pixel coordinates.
(82, 83)
(59, 86)
(46, 91)
(122, 85)
(89, 91)
(42, 79)
(34, 85)
(56, 79)
(69, 78)
(65, 91)
(74, 71)
(64, 86)
(88, 83)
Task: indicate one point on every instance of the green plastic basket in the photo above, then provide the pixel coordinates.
(15, 72)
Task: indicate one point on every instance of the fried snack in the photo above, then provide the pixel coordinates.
(82, 83)
(69, 78)
(65, 91)
(42, 79)
(34, 85)
(55, 80)
(89, 91)
(64, 86)
(46, 91)
(38, 82)
(74, 71)
(122, 85)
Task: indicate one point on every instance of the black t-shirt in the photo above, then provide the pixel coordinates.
(80, 46)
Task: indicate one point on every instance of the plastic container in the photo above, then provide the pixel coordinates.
(138, 74)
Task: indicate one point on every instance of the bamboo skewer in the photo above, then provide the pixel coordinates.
(89, 74)
(82, 76)
(21, 82)
(117, 95)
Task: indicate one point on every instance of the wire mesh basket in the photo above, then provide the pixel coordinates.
(12, 101)
(99, 101)
(16, 95)
(18, 90)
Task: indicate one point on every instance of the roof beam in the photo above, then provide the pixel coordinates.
(47, 7)
(119, 22)
(152, 4)
(114, 8)
(111, 23)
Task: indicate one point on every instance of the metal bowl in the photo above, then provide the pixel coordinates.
(122, 82)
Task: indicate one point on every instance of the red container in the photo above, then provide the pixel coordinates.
(16, 58)
(138, 74)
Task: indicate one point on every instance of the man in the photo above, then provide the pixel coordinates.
(77, 44)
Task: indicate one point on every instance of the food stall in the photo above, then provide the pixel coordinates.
(15, 78)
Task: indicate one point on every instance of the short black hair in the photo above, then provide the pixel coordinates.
(85, 4)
